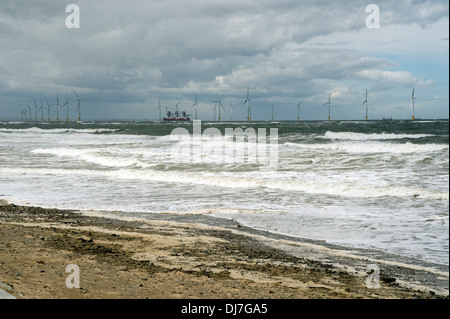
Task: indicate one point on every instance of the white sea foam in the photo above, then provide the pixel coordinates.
(346, 189)
(91, 156)
(372, 136)
(58, 130)
(373, 147)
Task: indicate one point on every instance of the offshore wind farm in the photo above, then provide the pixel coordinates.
(173, 114)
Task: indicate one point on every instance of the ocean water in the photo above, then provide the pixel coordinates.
(371, 184)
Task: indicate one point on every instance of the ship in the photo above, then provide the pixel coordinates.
(177, 116)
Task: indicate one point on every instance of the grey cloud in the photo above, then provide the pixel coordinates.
(138, 49)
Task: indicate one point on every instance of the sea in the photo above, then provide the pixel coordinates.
(380, 185)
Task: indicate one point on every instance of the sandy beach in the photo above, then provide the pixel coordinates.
(170, 256)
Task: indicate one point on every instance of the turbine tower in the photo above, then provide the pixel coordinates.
(220, 106)
(159, 109)
(231, 110)
(412, 104)
(57, 108)
(329, 108)
(272, 110)
(67, 103)
(366, 101)
(78, 107)
(35, 111)
(29, 108)
(48, 109)
(298, 110)
(249, 110)
(42, 111)
(196, 105)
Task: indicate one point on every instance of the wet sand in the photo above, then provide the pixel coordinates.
(169, 256)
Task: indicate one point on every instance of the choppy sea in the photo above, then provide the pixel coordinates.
(371, 184)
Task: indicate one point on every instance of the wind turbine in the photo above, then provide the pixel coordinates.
(220, 106)
(29, 107)
(366, 101)
(57, 108)
(272, 110)
(48, 109)
(231, 109)
(78, 107)
(67, 103)
(35, 111)
(195, 104)
(249, 110)
(42, 111)
(412, 104)
(298, 110)
(215, 107)
(159, 108)
(329, 104)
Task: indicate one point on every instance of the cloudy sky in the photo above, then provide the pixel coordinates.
(128, 54)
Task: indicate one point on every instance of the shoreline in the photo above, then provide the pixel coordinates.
(171, 256)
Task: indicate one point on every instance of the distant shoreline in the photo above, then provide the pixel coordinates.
(190, 256)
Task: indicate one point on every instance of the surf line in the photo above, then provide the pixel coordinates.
(235, 146)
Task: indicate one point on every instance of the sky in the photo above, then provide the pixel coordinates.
(126, 56)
